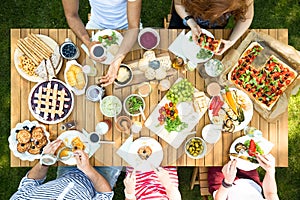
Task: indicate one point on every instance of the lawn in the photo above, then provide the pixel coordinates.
(49, 14)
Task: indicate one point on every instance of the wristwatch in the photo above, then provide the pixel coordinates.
(226, 185)
(186, 19)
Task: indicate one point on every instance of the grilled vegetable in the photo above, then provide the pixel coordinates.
(240, 116)
(230, 100)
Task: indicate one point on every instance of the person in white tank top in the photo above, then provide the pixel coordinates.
(107, 14)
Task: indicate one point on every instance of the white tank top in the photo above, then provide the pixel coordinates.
(108, 14)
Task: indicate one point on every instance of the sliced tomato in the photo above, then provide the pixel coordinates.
(252, 148)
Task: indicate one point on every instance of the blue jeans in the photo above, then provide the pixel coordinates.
(111, 174)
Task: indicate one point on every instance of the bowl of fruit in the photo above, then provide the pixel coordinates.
(195, 148)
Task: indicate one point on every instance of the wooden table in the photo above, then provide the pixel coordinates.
(87, 113)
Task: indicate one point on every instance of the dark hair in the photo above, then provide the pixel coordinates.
(214, 10)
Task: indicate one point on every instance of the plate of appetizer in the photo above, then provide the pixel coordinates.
(72, 141)
(111, 40)
(244, 149)
(194, 52)
(145, 154)
(37, 58)
(232, 108)
(170, 121)
(28, 139)
(75, 78)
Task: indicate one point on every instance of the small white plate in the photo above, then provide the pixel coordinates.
(109, 32)
(74, 89)
(153, 161)
(211, 133)
(265, 145)
(67, 138)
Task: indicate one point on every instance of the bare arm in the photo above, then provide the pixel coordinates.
(239, 29)
(75, 23)
(83, 163)
(39, 171)
(269, 183)
(130, 37)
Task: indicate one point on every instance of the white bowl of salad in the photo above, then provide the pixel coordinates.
(110, 106)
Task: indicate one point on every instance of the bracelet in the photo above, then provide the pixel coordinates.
(129, 196)
(226, 185)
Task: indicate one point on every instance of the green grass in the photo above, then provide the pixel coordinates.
(49, 14)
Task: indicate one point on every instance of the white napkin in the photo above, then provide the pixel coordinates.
(93, 146)
(123, 150)
(176, 46)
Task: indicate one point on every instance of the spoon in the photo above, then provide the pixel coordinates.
(142, 113)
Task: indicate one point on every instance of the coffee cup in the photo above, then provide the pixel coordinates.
(94, 137)
(98, 52)
(103, 127)
(69, 50)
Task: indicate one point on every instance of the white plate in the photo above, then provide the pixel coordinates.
(190, 49)
(247, 113)
(74, 89)
(67, 110)
(153, 161)
(13, 141)
(114, 105)
(67, 138)
(53, 45)
(110, 57)
(175, 139)
(265, 145)
(211, 133)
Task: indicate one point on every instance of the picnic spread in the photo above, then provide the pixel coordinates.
(174, 101)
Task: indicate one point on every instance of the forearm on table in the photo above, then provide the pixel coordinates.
(74, 21)
(38, 172)
(269, 186)
(99, 182)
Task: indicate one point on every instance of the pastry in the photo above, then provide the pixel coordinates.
(42, 142)
(37, 133)
(23, 147)
(51, 101)
(144, 152)
(23, 136)
(71, 78)
(77, 144)
(34, 149)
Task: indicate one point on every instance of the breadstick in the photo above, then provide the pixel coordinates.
(27, 53)
(32, 48)
(42, 43)
(38, 48)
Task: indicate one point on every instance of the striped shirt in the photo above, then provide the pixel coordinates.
(148, 185)
(71, 185)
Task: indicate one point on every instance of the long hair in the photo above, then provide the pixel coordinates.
(214, 10)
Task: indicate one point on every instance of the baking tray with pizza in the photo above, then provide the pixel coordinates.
(262, 74)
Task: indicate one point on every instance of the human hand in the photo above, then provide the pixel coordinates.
(51, 147)
(90, 45)
(82, 161)
(225, 45)
(229, 171)
(130, 182)
(196, 31)
(112, 72)
(164, 177)
(267, 162)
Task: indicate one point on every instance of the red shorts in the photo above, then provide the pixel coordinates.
(215, 177)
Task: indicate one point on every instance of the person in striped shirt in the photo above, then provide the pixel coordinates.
(81, 182)
(159, 184)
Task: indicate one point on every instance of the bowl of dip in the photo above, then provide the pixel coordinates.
(110, 106)
(213, 67)
(148, 38)
(144, 89)
(124, 76)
